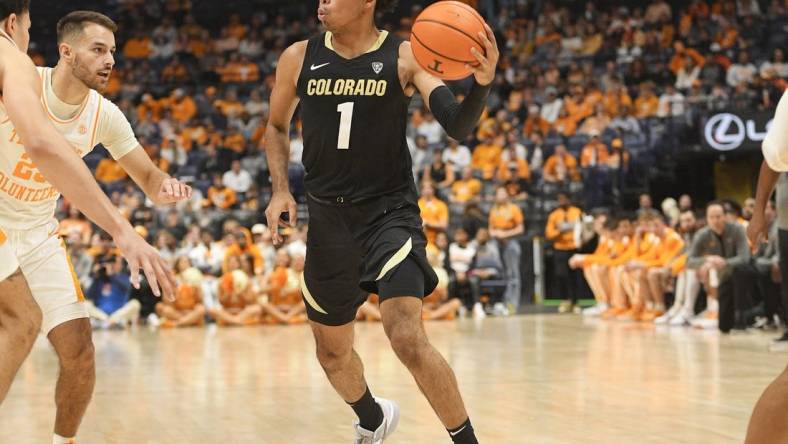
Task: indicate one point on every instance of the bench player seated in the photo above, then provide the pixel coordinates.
(634, 277)
(187, 309)
(594, 271)
(237, 303)
(438, 305)
(280, 291)
(659, 268)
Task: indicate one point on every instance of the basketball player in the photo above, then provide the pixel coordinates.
(25, 194)
(768, 423)
(69, 92)
(354, 83)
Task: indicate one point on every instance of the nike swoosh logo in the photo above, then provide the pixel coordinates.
(457, 432)
(314, 67)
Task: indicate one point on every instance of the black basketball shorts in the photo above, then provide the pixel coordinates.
(353, 249)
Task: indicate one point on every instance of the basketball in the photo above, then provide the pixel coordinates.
(442, 38)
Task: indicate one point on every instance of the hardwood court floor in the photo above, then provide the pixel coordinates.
(528, 379)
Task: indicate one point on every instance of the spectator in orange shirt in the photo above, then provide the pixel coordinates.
(229, 106)
(576, 105)
(594, 153)
(565, 124)
(237, 303)
(76, 224)
(561, 167)
(434, 212)
(248, 72)
(235, 141)
(596, 123)
(513, 167)
(535, 122)
(175, 72)
(486, 157)
(647, 103)
(219, 196)
(149, 109)
(560, 231)
(243, 246)
(182, 106)
(616, 99)
(467, 188)
(137, 47)
(280, 291)
(680, 53)
(109, 173)
(235, 28)
(187, 309)
(507, 224)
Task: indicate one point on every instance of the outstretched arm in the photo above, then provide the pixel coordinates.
(61, 166)
(155, 183)
(458, 119)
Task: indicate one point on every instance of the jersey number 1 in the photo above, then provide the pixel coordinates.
(345, 111)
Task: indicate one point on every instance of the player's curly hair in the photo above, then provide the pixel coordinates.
(385, 6)
(8, 7)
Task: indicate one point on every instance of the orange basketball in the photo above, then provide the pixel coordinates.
(442, 38)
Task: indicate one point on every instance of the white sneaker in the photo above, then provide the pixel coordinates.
(478, 311)
(462, 312)
(704, 322)
(674, 311)
(662, 320)
(390, 421)
(153, 320)
(680, 320)
(595, 310)
(500, 310)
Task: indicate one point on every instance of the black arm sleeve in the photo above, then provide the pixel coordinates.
(458, 119)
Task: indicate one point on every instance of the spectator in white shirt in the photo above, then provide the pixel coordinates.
(296, 149)
(457, 155)
(687, 75)
(552, 105)
(741, 71)
(430, 129)
(671, 102)
(420, 153)
(776, 67)
(462, 285)
(625, 121)
(237, 179)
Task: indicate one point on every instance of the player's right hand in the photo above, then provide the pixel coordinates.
(281, 202)
(756, 230)
(141, 255)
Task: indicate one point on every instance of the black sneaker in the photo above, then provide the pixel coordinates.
(780, 344)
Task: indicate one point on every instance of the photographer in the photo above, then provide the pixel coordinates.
(108, 296)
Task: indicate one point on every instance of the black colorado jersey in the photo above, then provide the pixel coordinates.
(354, 115)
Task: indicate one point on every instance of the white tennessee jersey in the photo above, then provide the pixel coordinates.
(775, 145)
(27, 200)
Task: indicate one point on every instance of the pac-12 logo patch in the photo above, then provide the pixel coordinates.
(377, 67)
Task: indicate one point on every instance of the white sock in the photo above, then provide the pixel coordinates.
(57, 439)
(712, 305)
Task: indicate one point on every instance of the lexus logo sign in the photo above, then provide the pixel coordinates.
(727, 131)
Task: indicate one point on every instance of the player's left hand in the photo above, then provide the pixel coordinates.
(485, 70)
(173, 190)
